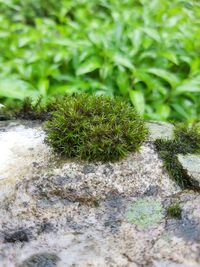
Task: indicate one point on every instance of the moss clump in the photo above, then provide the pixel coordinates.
(174, 211)
(27, 110)
(95, 128)
(186, 141)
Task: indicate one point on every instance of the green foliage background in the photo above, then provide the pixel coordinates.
(146, 51)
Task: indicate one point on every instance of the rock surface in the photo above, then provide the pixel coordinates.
(191, 164)
(160, 130)
(55, 212)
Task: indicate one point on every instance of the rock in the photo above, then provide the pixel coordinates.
(17, 160)
(89, 168)
(108, 170)
(21, 235)
(41, 260)
(160, 130)
(80, 214)
(184, 228)
(191, 164)
(45, 227)
(172, 264)
(152, 190)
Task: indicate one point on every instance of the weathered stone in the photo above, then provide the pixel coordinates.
(172, 264)
(41, 260)
(160, 130)
(152, 190)
(191, 164)
(56, 201)
(22, 153)
(89, 168)
(12, 236)
(184, 228)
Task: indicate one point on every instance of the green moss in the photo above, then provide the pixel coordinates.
(28, 110)
(174, 211)
(95, 128)
(186, 141)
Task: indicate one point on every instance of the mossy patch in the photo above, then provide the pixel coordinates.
(29, 110)
(174, 211)
(186, 141)
(145, 213)
(95, 128)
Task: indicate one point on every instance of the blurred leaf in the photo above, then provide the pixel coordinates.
(137, 99)
(17, 89)
(170, 55)
(104, 47)
(172, 79)
(136, 38)
(192, 86)
(43, 87)
(123, 83)
(152, 33)
(180, 110)
(62, 89)
(123, 61)
(88, 66)
(164, 111)
(105, 71)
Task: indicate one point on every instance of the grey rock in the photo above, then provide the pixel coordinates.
(12, 236)
(152, 190)
(108, 170)
(112, 214)
(191, 164)
(89, 168)
(41, 260)
(160, 130)
(45, 227)
(172, 264)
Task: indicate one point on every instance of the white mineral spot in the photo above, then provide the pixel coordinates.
(19, 148)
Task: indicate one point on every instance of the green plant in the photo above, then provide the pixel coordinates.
(29, 110)
(95, 128)
(145, 51)
(174, 211)
(186, 141)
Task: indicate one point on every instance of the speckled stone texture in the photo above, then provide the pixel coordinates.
(160, 130)
(55, 212)
(191, 164)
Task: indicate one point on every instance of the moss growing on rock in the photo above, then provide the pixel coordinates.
(174, 211)
(28, 110)
(95, 128)
(186, 141)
